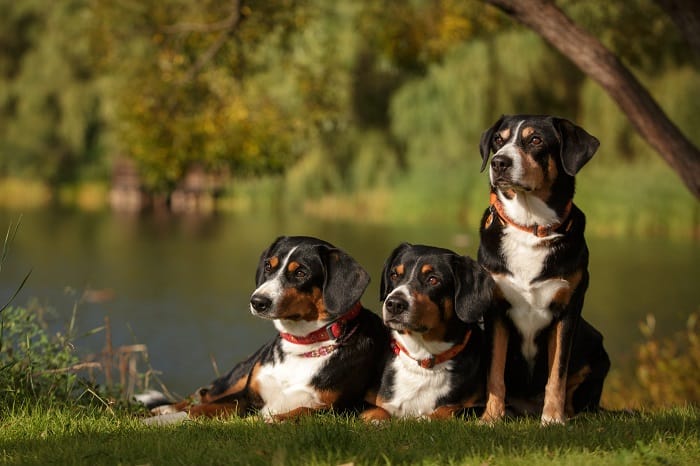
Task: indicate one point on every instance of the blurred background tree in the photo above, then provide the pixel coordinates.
(309, 100)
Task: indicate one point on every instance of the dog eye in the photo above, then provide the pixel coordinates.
(536, 141)
(267, 266)
(498, 140)
(393, 276)
(433, 281)
(299, 273)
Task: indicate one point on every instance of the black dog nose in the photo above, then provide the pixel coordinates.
(501, 163)
(396, 305)
(260, 303)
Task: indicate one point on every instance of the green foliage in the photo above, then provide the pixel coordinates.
(50, 101)
(344, 97)
(666, 366)
(32, 362)
(640, 33)
(664, 372)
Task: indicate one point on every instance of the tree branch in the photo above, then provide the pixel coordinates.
(225, 26)
(601, 65)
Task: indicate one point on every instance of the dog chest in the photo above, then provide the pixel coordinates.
(529, 296)
(416, 391)
(286, 385)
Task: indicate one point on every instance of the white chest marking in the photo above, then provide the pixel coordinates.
(530, 301)
(287, 385)
(417, 390)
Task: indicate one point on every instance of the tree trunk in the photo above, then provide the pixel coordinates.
(600, 64)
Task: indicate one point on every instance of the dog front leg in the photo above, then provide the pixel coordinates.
(559, 349)
(496, 386)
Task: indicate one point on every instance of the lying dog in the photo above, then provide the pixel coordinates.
(532, 242)
(433, 300)
(328, 346)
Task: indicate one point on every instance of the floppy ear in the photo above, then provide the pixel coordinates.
(260, 272)
(345, 280)
(473, 289)
(485, 144)
(577, 146)
(384, 285)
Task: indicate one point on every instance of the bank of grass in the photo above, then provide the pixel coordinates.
(643, 199)
(70, 435)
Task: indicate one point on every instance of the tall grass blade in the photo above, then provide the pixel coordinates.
(14, 295)
(9, 237)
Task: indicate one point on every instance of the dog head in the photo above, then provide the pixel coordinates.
(304, 279)
(533, 153)
(427, 290)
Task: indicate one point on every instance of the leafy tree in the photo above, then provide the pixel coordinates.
(51, 119)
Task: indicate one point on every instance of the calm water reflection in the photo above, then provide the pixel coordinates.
(181, 285)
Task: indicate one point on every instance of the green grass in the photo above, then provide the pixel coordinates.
(94, 436)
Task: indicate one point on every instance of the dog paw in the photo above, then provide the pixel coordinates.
(491, 419)
(493, 414)
(548, 420)
(166, 419)
(164, 409)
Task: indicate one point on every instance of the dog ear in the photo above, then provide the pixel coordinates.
(577, 146)
(473, 289)
(260, 272)
(485, 144)
(345, 280)
(384, 285)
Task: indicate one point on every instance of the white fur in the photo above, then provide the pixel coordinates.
(401, 291)
(510, 150)
(417, 390)
(524, 257)
(272, 287)
(528, 209)
(285, 386)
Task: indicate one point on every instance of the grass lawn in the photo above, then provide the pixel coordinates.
(92, 436)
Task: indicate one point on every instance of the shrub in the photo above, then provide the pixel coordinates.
(665, 373)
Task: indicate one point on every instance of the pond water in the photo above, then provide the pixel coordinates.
(181, 284)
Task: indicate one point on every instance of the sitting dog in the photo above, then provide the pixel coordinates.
(434, 367)
(532, 242)
(328, 346)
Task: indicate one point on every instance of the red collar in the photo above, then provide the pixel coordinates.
(433, 360)
(538, 230)
(331, 331)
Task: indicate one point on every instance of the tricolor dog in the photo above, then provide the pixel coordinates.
(532, 242)
(327, 347)
(435, 366)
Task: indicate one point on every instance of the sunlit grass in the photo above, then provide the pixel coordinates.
(65, 435)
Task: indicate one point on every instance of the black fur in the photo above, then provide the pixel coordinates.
(351, 366)
(568, 147)
(460, 296)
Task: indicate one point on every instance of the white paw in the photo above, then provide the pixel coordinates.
(552, 420)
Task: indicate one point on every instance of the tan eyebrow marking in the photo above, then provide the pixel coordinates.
(274, 261)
